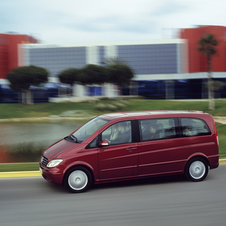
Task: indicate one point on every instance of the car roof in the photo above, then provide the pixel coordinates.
(111, 116)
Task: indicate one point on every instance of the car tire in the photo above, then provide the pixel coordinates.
(196, 169)
(78, 179)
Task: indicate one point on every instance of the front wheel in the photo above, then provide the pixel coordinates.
(78, 179)
(196, 169)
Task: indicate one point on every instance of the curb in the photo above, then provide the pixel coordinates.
(222, 161)
(20, 174)
(38, 173)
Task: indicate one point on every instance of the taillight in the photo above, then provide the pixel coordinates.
(215, 131)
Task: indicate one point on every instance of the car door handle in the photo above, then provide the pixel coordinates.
(131, 149)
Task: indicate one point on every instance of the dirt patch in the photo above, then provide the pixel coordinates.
(39, 119)
(220, 119)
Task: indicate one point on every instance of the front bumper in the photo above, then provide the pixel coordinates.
(52, 175)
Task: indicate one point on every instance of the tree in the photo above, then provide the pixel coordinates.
(21, 78)
(70, 76)
(114, 72)
(90, 74)
(207, 46)
(94, 74)
(120, 74)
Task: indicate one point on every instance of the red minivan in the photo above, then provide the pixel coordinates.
(133, 145)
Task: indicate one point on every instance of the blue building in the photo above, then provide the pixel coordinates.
(158, 65)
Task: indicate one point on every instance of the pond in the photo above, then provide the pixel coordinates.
(22, 142)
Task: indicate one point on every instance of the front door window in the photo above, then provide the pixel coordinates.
(118, 133)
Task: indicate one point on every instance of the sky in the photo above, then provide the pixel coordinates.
(77, 21)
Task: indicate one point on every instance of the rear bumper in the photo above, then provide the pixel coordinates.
(214, 161)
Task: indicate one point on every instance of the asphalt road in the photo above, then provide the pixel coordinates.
(154, 202)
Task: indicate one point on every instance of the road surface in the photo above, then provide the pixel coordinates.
(170, 201)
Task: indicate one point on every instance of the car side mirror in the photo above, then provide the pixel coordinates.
(103, 143)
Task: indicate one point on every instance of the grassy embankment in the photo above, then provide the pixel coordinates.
(8, 111)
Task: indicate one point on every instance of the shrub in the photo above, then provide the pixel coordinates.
(100, 107)
(125, 102)
(112, 107)
(120, 105)
(26, 152)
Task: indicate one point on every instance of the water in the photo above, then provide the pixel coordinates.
(28, 138)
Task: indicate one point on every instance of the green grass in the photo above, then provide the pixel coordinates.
(40, 110)
(46, 109)
(8, 111)
(221, 130)
(138, 104)
(12, 167)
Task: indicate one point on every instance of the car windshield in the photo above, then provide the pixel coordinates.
(88, 129)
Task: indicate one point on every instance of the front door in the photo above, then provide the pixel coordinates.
(120, 158)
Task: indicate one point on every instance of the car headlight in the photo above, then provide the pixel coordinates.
(54, 162)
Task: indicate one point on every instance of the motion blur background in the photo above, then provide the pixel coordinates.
(158, 40)
(164, 68)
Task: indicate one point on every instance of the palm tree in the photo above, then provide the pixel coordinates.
(207, 46)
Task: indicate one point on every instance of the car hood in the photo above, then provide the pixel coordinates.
(58, 148)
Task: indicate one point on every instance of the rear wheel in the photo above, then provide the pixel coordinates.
(78, 179)
(196, 169)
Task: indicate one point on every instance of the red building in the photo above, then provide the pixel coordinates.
(9, 51)
(197, 62)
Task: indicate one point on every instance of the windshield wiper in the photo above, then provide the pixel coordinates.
(74, 138)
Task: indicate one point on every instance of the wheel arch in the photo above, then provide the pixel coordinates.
(197, 155)
(197, 168)
(78, 164)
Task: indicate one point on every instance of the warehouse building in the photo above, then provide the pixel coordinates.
(164, 69)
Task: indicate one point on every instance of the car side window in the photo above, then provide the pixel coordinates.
(118, 133)
(154, 129)
(93, 144)
(194, 127)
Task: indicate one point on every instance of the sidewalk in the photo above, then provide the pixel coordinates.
(38, 174)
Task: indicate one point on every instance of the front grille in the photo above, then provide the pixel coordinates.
(44, 160)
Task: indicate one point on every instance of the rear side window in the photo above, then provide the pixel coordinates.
(194, 127)
(154, 129)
